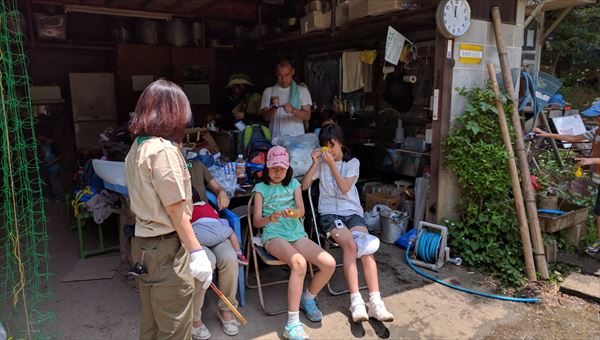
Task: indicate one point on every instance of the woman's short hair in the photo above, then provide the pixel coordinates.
(162, 110)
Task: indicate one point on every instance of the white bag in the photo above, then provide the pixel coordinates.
(372, 218)
(366, 244)
(300, 149)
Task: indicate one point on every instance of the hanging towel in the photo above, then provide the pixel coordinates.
(368, 56)
(295, 96)
(352, 76)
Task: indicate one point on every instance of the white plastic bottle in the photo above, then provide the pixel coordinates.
(240, 168)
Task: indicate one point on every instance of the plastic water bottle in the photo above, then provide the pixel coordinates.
(240, 168)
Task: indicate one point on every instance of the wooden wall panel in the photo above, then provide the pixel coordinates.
(186, 56)
(481, 9)
(133, 59)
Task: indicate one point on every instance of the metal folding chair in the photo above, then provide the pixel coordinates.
(256, 250)
(327, 241)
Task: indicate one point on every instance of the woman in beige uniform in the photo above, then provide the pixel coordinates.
(164, 246)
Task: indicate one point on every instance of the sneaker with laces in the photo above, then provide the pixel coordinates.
(295, 331)
(309, 306)
(242, 260)
(200, 333)
(359, 312)
(378, 311)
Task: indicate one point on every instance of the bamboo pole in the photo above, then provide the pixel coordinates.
(530, 205)
(514, 176)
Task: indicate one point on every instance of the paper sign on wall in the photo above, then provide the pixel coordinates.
(393, 45)
(197, 93)
(470, 54)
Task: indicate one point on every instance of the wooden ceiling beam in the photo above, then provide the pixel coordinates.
(145, 4)
(174, 5)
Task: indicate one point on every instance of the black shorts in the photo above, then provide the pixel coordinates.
(597, 207)
(327, 222)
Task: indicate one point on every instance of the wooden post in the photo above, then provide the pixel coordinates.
(514, 176)
(552, 141)
(530, 205)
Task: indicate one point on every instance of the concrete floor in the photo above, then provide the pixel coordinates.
(109, 309)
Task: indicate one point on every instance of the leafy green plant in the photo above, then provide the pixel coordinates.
(553, 177)
(486, 235)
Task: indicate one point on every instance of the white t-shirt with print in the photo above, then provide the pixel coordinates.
(331, 198)
(284, 123)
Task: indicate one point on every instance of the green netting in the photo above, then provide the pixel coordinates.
(25, 309)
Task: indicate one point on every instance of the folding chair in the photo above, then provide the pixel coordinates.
(256, 250)
(327, 240)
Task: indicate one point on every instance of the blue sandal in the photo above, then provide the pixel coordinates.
(295, 331)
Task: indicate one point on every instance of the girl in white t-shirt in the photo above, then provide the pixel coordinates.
(341, 214)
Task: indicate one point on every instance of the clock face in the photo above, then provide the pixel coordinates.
(454, 17)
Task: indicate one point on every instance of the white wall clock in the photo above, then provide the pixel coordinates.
(453, 17)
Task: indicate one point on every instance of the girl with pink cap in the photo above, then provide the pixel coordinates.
(278, 209)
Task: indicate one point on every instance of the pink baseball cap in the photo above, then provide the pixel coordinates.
(278, 156)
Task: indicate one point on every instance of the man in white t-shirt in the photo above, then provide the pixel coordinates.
(286, 105)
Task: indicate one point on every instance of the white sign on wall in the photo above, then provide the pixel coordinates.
(393, 45)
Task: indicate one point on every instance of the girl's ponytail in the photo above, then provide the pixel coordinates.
(347, 154)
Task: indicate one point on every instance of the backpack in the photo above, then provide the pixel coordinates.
(255, 143)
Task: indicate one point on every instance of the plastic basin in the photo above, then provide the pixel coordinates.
(113, 175)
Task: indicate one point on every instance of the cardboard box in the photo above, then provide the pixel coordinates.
(341, 14)
(357, 9)
(375, 198)
(315, 21)
(378, 7)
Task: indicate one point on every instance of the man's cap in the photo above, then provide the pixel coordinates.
(239, 79)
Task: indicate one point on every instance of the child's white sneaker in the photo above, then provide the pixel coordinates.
(378, 311)
(359, 312)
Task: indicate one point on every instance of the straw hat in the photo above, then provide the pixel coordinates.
(239, 79)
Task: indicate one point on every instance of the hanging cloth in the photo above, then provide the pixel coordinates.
(352, 76)
(368, 58)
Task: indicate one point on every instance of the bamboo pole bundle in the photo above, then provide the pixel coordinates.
(530, 204)
(514, 176)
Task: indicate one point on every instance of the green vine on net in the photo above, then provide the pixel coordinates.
(486, 234)
(25, 310)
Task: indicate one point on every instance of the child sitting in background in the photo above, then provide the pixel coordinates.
(50, 158)
(327, 117)
(210, 230)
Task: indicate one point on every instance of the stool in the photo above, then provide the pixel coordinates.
(82, 217)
